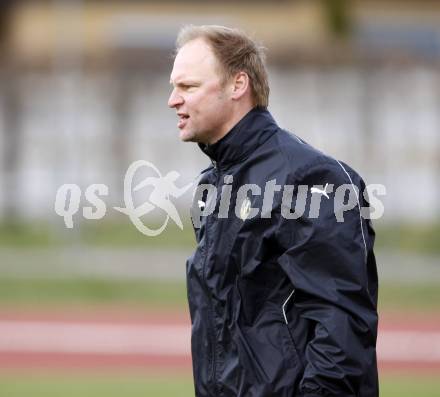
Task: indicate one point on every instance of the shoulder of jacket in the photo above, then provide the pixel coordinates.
(303, 160)
(298, 155)
(328, 168)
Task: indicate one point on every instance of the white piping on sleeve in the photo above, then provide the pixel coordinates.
(359, 206)
(284, 306)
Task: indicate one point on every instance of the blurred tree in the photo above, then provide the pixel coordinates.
(338, 17)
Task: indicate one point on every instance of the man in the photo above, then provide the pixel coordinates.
(281, 304)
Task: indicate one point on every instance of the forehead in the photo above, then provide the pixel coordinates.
(194, 60)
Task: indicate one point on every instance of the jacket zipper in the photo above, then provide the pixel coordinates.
(211, 323)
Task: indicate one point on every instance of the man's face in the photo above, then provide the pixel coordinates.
(199, 97)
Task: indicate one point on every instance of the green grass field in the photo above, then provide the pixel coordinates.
(56, 292)
(175, 386)
(414, 238)
(95, 386)
(172, 294)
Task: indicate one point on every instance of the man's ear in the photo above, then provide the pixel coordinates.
(240, 85)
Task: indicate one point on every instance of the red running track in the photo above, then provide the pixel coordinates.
(119, 338)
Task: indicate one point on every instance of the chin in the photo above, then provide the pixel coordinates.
(186, 136)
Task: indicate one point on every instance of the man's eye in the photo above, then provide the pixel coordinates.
(189, 87)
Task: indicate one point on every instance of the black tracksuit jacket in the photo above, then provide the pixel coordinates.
(281, 307)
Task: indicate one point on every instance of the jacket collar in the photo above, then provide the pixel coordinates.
(250, 132)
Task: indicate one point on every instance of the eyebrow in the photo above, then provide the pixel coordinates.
(184, 82)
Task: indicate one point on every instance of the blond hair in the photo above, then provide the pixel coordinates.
(235, 52)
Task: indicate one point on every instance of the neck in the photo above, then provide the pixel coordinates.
(238, 114)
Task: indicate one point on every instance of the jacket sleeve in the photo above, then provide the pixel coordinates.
(331, 266)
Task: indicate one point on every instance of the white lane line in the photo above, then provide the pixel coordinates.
(409, 346)
(32, 336)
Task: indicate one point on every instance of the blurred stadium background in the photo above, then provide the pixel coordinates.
(100, 309)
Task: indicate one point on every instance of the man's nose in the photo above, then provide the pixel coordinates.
(175, 99)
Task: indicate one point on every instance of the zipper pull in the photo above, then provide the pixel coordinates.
(214, 163)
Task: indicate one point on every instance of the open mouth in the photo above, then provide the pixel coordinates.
(182, 120)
